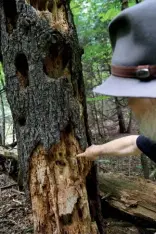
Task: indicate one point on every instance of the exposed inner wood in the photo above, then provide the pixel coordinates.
(53, 11)
(57, 186)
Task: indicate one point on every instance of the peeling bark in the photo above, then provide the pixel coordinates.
(45, 90)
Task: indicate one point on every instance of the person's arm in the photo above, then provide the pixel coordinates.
(124, 146)
(147, 146)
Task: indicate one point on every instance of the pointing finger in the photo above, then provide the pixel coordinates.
(81, 155)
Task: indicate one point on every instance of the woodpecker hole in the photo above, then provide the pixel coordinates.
(11, 15)
(21, 121)
(60, 163)
(22, 70)
(66, 219)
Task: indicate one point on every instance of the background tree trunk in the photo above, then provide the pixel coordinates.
(124, 4)
(122, 128)
(45, 90)
(145, 166)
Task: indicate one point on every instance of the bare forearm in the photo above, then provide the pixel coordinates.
(124, 146)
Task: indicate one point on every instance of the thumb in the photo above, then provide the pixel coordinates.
(81, 155)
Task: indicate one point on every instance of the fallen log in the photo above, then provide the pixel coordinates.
(8, 153)
(9, 162)
(132, 195)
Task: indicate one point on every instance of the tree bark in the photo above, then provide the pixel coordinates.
(45, 90)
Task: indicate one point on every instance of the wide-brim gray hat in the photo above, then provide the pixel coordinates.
(133, 39)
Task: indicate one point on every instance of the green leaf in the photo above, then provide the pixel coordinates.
(98, 98)
(109, 15)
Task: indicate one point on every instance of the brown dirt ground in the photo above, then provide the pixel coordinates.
(15, 211)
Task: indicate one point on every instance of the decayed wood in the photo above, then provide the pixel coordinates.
(132, 195)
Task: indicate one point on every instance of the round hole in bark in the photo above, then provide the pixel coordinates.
(60, 154)
(60, 163)
(22, 121)
(66, 219)
(11, 15)
(22, 69)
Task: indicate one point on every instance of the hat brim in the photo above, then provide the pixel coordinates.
(127, 87)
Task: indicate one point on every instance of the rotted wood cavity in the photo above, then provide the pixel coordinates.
(58, 193)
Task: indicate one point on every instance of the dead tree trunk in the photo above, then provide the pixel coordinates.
(45, 90)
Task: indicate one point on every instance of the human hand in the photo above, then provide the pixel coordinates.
(90, 153)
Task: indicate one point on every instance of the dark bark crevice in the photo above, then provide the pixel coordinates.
(1, 57)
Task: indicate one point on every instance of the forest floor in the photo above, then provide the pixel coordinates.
(15, 211)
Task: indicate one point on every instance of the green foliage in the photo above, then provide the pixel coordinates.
(109, 15)
(98, 98)
(92, 18)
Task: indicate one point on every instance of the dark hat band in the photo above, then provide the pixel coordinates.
(142, 72)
